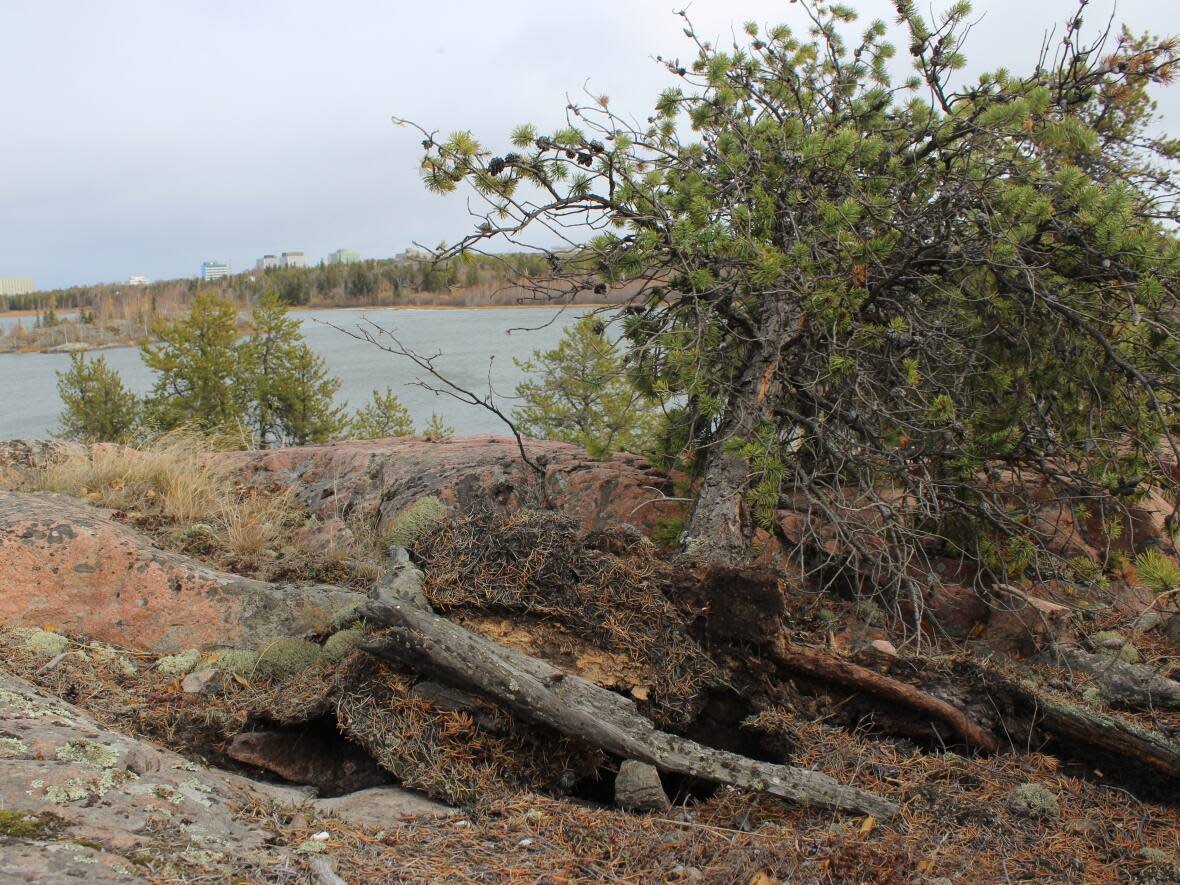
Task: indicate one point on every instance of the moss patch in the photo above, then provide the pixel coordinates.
(26, 825)
(427, 513)
(340, 644)
(1034, 800)
(236, 660)
(12, 748)
(286, 657)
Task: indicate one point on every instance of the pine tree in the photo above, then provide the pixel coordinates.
(873, 299)
(579, 392)
(98, 407)
(437, 428)
(198, 364)
(291, 392)
(383, 417)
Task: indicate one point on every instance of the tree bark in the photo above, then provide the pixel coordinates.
(720, 528)
(436, 647)
(830, 668)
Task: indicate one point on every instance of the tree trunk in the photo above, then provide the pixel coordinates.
(433, 646)
(720, 529)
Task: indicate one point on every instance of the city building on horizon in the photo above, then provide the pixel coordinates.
(267, 262)
(214, 270)
(137, 280)
(16, 285)
(344, 256)
(293, 259)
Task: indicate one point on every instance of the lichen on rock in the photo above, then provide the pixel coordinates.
(236, 661)
(87, 752)
(178, 664)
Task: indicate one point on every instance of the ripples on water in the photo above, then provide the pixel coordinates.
(474, 344)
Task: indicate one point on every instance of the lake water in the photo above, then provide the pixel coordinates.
(474, 345)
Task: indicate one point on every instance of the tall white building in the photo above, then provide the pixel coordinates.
(16, 285)
(214, 270)
(293, 259)
(267, 262)
(344, 256)
(137, 280)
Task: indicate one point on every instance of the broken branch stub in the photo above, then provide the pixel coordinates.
(436, 647)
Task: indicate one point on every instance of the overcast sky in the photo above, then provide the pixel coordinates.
(144, 137)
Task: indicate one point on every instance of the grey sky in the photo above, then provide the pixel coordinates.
(143, 137)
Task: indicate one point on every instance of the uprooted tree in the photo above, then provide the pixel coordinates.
(894, 308)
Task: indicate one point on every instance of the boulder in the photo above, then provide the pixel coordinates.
(1021, 624)
(381, 478)
(77, 567)
(80, 801)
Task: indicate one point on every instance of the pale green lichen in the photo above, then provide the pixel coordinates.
(40, 642)
(338, 645)
(425, 514)
(311, 846)
(12, 748)
(237, 661)
(286, 657)
(76, 789)
(1034, 800)
(870, 613)
(114, 657)
(25, 707)
(1155, 855)
(1116, 643)
(1092, 696)
(86, 752)
(178, 664)
(200, 857)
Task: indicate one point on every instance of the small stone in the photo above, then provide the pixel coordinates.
(638, 788)
(1035, 801)
(197, 681)
(1147, 621)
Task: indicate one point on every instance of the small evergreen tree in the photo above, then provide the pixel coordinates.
(579, 392)
(291, 392)
(383, 417)
(437, 428)
(98, 407)
(305, 397)
(198, 362)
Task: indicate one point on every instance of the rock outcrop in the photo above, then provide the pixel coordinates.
(78, 800)
(82, 570)
(381, 478)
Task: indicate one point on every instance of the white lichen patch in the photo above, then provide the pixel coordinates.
(40, 642)
(24, 707)
(178, 664)
(12, 748)
(200, 857)
(85, 752)
(77, 789)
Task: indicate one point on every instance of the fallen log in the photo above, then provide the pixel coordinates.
(440, 649)
(829, 668)
(1120, 684)
(1097, 730)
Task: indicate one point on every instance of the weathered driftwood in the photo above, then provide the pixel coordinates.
(1089, 728)
(1121, 684)
(434, 646)
(829, 668)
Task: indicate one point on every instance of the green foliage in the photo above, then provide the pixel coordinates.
(579, 392)
(878, 300)
(1156, 571)
(271, 384)
(98, 407)
(286, 657)
(420, 517)
(437, 428)
(341, 643)
(383, 417)
(197, 363)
